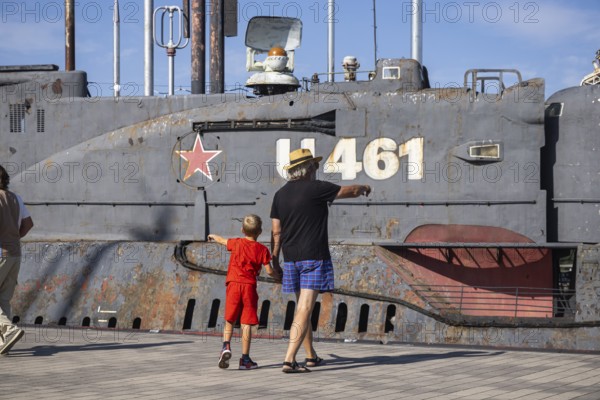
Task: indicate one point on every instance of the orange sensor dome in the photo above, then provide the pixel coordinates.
(277, 51)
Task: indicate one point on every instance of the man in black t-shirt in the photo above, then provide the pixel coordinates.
(299, 226)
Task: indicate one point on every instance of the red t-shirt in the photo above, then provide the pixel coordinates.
(246, 260)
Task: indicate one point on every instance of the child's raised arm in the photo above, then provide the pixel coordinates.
(218, 239)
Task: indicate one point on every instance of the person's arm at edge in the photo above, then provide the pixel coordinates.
(218, 239)
(26, 225)
(276, 245)
(351, 191)
(272, 272)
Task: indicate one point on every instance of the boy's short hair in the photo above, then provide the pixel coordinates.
(252, 225)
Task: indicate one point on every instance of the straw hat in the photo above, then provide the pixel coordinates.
(300, 156)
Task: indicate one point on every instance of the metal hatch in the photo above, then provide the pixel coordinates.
(263, 33)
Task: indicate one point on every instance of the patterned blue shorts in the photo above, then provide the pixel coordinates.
(307, 274)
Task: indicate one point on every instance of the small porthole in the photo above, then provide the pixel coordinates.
(391, 72)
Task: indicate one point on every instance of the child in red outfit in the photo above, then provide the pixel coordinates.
(247, 258)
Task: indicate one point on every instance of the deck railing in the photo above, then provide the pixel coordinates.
(497, 301)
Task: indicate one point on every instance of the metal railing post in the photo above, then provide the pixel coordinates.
(516, 301)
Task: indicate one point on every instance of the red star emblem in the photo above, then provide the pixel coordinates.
(198, 159)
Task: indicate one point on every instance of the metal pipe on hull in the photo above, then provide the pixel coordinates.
(417, 31)
(217, 48)
(171, 56)
(116, 49)
(69, 35)
(148, 48)
(330, 40)
(198, 17)
(186, 18)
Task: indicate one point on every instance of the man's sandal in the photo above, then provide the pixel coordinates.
(293, 368)
(313, 362)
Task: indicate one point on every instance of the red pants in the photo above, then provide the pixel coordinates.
(241, 298)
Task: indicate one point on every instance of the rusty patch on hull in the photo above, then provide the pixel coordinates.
(149, 286)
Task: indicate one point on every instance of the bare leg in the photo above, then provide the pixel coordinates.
(226, 350)
(9, 271)
(227, 331)
(246, 338)
(301, 324)
(308, 338)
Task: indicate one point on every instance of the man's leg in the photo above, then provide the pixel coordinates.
(301, 324)
(307, 343)
(9, 272)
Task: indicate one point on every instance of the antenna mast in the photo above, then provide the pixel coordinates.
(148, 48)
(116, 50)
(375, 32)
(330, 40)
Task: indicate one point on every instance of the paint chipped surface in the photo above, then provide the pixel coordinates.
(154, 288)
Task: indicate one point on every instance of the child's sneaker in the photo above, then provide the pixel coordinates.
(224, 359)
(247, 364)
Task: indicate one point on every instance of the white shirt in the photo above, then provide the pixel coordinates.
(23, 211)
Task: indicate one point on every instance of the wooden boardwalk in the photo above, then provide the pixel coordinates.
(52, 363)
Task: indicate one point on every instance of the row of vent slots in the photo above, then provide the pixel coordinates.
(340, 321)
(17, 118)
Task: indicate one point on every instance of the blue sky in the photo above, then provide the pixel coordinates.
(552, 39)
